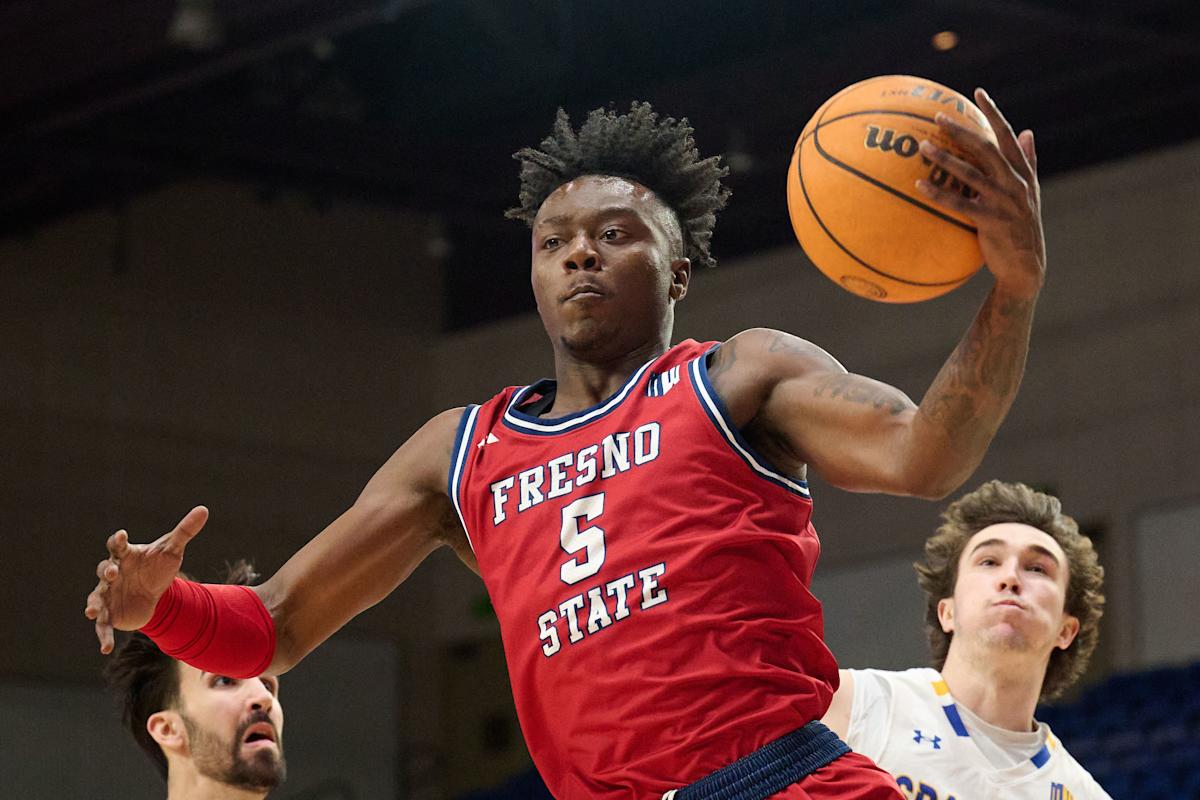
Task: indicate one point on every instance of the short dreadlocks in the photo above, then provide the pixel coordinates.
(658, 153)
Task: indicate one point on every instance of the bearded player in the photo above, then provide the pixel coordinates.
(642, 521)
(210, 736)
(1013, 606)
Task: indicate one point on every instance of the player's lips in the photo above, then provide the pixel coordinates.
(260, 734)
(584, 289)
(1010, 602)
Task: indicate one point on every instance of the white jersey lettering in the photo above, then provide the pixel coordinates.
(600, 613)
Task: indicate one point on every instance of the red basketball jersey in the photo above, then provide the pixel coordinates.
(651, 576)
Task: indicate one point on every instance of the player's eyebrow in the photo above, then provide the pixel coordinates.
(1035, 547)
(611, 211)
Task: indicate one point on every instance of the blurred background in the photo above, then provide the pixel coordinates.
(247, 248)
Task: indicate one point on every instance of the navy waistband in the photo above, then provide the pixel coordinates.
(769, 769)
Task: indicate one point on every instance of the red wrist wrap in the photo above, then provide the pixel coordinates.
(218, 628)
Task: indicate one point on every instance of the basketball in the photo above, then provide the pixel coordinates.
(852, 193)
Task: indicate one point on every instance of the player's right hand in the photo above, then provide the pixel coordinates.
(134, 576)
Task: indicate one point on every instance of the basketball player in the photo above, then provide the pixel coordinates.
(642, 522)
(211, 737)
(1013, 605)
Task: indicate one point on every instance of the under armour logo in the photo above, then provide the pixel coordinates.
(936, 741)
(491, 438)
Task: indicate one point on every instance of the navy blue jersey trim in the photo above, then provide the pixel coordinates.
(458, 460)
(711, 402)
(541, 426)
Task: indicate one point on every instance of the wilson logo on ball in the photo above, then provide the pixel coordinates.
(852, 194)
(885, 139)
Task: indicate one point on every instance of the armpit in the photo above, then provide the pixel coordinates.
(776, 449)
(449, 531)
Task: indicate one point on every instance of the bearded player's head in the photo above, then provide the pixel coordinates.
(620, 212)
(209, 735)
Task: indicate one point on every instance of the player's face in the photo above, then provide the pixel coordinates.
(1011, 591)
(234, 728)
(606, 267)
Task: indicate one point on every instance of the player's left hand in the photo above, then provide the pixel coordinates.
(134, 576)
(1007, 206)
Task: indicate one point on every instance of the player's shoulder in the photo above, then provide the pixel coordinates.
(883, 700)
(1074, 776)
(427, 452)
(775, 350)
(443, 425)
(771, 340)
(914, 676)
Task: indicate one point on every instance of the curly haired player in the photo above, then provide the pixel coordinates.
(1013, 608)
(642, 521)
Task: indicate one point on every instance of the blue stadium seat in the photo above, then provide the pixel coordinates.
(1137, 733)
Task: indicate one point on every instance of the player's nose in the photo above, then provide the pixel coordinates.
(581, 254)
(260, 697)
(1009, 577)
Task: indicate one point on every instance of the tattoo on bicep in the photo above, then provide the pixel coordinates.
(853, 390)
(780, 342)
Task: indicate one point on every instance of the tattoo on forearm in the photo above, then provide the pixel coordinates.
(974, 389)
(851, 389)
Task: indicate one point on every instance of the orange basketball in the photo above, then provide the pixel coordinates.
(852, 192)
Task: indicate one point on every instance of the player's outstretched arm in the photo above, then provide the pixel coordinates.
(401, 516)
(863, 435)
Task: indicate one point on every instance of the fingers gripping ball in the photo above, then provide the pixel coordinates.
(852, 192)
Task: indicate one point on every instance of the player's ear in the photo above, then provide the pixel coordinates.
(1067, 632)
(945, 610)
(681, 275)
(166, 728)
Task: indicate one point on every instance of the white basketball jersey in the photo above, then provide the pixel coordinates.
(908, 723)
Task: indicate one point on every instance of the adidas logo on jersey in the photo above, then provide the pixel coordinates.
(491, 438)
(662, 382)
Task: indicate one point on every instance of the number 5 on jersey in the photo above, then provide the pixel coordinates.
(590, 538)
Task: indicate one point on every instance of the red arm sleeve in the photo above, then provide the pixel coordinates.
(214, 627)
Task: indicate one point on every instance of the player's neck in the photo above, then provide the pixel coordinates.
(582, 382)
(188, 784)
(1000, 689)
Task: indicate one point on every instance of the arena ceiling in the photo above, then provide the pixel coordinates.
(419, 104)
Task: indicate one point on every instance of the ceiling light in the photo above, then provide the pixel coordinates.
(944, 40)
(195, 25)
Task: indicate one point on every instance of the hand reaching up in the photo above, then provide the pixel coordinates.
(134, 576)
